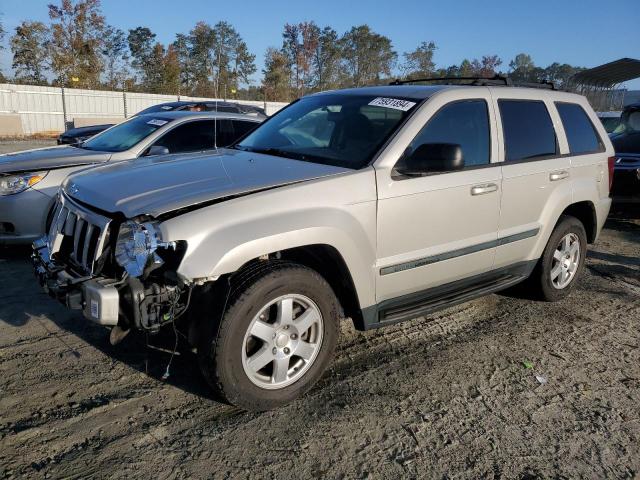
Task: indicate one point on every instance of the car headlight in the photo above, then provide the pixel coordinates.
(19, 182)
(136, 247)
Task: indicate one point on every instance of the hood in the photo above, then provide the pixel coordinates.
(48, 158)
(158, 185)
(79, 131)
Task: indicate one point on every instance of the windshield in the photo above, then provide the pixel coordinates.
(341, 130)
(125, 135)
(629, 122)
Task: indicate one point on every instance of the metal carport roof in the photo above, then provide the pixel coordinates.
(609, 74)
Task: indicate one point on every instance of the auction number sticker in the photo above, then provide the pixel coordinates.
(157, 122)
(394, 103)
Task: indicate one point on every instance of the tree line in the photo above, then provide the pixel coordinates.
(78, 48)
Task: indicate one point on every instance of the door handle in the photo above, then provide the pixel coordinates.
(484, 188)
(559, 175)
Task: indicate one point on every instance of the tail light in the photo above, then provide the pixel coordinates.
(612, 161)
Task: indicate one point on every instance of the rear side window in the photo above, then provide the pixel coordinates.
(581, 135)
(528, 130)
(465, 123)
(189, 137)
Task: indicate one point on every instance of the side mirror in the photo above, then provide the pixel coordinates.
(432, 158)
(157, 150)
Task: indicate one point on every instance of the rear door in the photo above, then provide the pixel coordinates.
(535, 174)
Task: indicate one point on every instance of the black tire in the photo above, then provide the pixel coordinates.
(220, 355)
(540, 279)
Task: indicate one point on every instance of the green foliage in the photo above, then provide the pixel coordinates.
(77, 30)
(419, 63)
(367, 56)
(29, 46)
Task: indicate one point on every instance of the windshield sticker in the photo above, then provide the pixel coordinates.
(157, 122)
(394, 103)
(166, 107)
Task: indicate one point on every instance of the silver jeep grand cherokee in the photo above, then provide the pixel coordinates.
(376, 204)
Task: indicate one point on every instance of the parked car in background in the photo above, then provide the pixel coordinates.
(377, 204)
(610, 120)
(206, 106)
(29, 180)
(626, 141)
(81, 134)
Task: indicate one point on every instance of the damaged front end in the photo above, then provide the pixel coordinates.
(118, 272)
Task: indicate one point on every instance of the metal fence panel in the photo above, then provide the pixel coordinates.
(41, 108)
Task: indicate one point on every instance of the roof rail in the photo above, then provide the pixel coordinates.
(496, 80)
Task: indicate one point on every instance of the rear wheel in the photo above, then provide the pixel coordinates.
(562, 261)
(275, 339)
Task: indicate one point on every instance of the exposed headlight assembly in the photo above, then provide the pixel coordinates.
(136, 247)
(19, 182)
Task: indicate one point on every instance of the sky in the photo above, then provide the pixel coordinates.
(579, 32)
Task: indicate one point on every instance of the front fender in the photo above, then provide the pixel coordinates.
(339, 212)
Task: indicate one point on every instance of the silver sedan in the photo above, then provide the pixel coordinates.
(29, 180)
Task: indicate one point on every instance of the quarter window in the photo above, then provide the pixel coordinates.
(581, 135)
(465, 123)
(528, 130)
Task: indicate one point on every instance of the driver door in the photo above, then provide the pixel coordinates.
(442, 227)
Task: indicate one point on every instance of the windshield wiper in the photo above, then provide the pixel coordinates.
(276, 152)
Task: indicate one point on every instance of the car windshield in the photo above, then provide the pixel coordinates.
(341, 130)
(125, 135)
(629, 122)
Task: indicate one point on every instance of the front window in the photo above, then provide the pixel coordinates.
(340, 130)
(125, 135)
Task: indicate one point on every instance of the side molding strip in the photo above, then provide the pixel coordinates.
(420, 262)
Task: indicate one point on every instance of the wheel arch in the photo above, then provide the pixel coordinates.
(584, 211)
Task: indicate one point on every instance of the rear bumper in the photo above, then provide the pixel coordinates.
(97, 297)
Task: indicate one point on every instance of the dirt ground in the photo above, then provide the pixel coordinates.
(449, 396)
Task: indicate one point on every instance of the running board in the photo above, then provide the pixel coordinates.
(428, 301)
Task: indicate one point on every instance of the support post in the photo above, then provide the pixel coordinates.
(64, 109)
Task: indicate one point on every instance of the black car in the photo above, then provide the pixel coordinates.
(626, 141)
(79, 135)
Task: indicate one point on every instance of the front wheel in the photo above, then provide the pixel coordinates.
(275, 339)
(562, 260)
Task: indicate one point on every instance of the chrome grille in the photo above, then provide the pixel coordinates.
(77, 234)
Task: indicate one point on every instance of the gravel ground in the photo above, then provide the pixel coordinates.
(448, 396)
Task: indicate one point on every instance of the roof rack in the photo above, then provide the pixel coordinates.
(496, 80)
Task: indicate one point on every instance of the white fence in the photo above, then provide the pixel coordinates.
(41, 109)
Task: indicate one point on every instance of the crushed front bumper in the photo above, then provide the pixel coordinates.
(97, 297)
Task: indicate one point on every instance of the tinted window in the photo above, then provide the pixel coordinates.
(528, 131)
(241, 128)
(125, 135)
(224, 133)
(581, 135)
(465, 123)
(189, 137)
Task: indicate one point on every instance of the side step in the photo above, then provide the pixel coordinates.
(428, 301)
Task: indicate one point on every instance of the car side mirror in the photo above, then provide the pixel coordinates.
(157, 150)
(432, 158)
